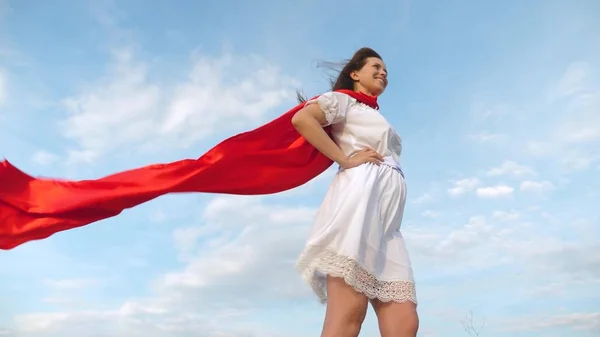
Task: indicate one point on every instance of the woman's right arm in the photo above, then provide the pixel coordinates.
(309, 122)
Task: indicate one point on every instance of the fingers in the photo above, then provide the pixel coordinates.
(375, 161)
(375, 153)
(373, 157)
(369, 155)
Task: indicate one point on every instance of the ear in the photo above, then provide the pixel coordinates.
(354, 75)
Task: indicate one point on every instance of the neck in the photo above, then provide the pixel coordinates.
(359, 88)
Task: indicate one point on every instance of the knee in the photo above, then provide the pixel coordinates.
(354, 319)
(344, 323)
(411, 327)
(408, 326)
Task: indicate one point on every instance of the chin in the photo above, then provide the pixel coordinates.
(378, 91)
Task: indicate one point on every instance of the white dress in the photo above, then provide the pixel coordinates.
(356, 234)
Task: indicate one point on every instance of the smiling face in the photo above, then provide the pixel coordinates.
(371, 78)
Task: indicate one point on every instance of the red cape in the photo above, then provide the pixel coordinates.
(270, 159)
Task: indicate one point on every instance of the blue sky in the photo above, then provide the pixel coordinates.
(498, 105)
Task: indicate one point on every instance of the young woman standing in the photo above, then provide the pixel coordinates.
(356, 252)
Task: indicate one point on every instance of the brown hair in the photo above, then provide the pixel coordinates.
(343, 80)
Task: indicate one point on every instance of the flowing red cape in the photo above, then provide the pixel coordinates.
(270, 159)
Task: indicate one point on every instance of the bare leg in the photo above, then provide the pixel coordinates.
(396, 319)
(346, 309)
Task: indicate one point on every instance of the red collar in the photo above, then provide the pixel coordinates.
(361, 97)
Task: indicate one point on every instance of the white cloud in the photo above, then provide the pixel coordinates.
(243, 239)
(64, 301)
(578, 161)
(159, 215)
(539, 148)
(466, 237)
(549, 255)
(570, 133)
(135, 320)
(462, 186)
(575, 130)
(580, 126)
(121, 109)
(210, 99)
(44, 158)
(430, 214)
(576, 321)
(432, 192)
(495, 191)
(459, 249)
(536, 186)
(71, 284)
(506, 216)
(510, 168)
(126, 108)
(573, 80)
(507, 238)
(584, 135)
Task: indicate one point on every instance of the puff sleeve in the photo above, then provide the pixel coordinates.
(334, 105)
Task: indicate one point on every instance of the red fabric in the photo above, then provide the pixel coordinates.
(270, 159)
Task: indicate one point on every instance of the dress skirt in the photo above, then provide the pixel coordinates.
(356, 236)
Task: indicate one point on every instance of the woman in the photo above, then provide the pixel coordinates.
(355, 250)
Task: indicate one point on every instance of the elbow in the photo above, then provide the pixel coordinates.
(297, 120)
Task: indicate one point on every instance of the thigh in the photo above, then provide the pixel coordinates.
(346, 309)
(396, 319)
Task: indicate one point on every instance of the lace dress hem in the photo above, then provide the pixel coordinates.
(314, 260)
